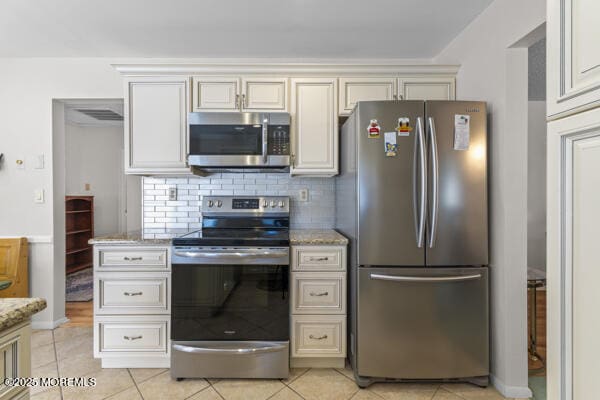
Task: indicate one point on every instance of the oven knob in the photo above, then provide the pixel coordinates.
(210, 203)
(273, 203)
(265, 203)
(281, 204)
(219, 203)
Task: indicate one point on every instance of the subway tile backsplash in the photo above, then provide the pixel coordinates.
(164, 218)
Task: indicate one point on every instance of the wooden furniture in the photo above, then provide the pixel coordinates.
(79, 225)
(318, 306)
(573, 83)
(14, 275)
(132, 305)
(15, 357)
(158, 99)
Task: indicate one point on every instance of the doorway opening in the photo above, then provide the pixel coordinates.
(99, 198)
(536, 218)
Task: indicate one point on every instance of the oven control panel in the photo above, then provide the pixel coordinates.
(245, 204)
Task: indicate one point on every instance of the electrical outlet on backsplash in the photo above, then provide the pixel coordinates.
(164, 218)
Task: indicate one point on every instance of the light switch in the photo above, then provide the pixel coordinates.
(303, 194)
(87, 186)
(38, 161)
(38, 196)
(172, 193)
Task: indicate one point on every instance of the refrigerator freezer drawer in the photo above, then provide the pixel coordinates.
(423, 323)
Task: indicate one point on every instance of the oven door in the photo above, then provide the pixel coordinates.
(230, 294)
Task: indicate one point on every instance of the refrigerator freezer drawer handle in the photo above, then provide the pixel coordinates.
(425, 279)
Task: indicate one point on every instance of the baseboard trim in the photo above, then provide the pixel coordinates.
(519, 392)
(49, 324)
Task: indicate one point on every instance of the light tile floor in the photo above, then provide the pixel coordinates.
(67, 352)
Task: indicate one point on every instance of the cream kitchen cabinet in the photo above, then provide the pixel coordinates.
(573, 54)
(230, 94)
(431, 88)
(156, 131)
(365, 89)
(315, 133)
(15, 360)
(132, 305)
(318, 305)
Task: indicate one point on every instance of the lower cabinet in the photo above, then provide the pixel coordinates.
(132, 306)
(15, 360)
(318, 306)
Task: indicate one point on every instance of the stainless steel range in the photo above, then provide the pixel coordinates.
(230, 291)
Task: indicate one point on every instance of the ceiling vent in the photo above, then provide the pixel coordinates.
(101, 114)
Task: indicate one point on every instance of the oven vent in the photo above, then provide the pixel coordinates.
(101, 114)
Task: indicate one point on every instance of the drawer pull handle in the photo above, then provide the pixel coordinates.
(133, 293)
(317, 337)
(319, 258)
(132, 337)
(133, 258)
(319, 294)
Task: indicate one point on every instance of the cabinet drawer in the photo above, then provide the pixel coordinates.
(132, 293)
(313, 258)
(318, 336)
(136, 336)
(318, 293)
(128, 257)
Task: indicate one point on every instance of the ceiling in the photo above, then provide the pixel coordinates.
(331, 29)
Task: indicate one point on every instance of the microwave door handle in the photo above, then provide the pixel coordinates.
(265, 130)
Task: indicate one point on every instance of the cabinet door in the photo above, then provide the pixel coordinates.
(315, 126)
(156, 139)
(426, 88)
(357, 89)
(573, 256)
(573, 56)
(264, 94)
(215, 93)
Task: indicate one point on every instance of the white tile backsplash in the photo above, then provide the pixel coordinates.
(163, 218)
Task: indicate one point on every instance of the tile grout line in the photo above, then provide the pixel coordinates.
(62, 397)
(214, 388)
(134, 383)
(298, 377)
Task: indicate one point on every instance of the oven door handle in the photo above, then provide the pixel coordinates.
(232, 254)
(268, 348)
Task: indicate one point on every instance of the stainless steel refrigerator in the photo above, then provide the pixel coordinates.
(412, 199)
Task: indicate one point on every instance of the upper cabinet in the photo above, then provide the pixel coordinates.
(353, 90)
(364, 89)
(430, 88)
(156, 138)
(573, 52)
(315, 126)
(230, 94)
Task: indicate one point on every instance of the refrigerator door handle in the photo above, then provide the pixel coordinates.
(420, 164)
(435, 181)
(396, 278)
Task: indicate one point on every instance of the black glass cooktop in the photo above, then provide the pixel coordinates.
(234, 237)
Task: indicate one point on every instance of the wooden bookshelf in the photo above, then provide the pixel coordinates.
(79, 215)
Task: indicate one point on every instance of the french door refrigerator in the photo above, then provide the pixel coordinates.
(412, 199)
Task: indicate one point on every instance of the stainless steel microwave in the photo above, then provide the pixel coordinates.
(239, 140)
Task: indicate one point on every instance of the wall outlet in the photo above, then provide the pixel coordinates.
(303, 194)
(172, 193)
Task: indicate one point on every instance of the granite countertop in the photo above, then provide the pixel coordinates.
(134, 237)
(16, 310)
(316, 237)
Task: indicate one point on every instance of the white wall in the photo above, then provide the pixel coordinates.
(28, 87)
(94, 156)
(536, 186)
(493, 72)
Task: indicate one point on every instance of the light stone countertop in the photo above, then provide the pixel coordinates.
(135, 237)
(316, 237)
(16, 310)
